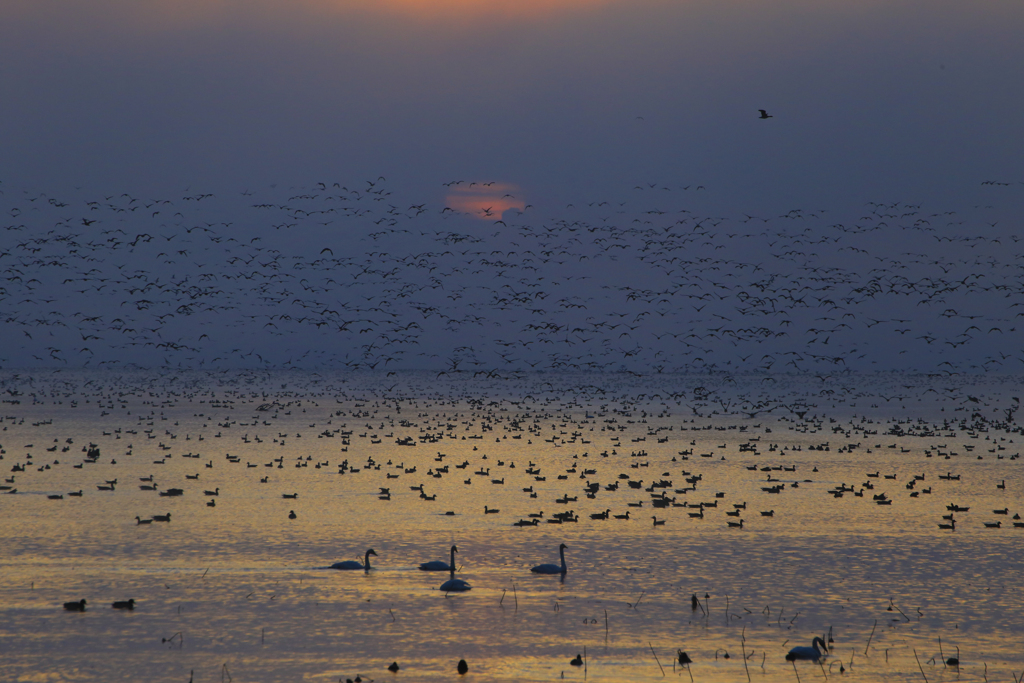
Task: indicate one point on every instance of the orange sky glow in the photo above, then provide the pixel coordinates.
(172, 14)
(485, 201)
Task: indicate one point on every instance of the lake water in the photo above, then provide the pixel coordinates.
(239, 591)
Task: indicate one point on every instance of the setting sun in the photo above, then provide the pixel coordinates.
(485, 200)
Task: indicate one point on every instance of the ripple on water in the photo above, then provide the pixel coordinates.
(242, 584)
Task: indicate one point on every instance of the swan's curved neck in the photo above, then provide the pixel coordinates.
(366, 562)
(561, 553)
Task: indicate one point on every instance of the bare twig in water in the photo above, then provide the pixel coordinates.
(179, 636)
(796, 672)
(870, 637)
(514, 595)
(743, 649)
(893, 605)
(656, 658)
(503, 591)
(606, 627)
(940, 652)
(224, 672)
(642, 593)
(920, 667)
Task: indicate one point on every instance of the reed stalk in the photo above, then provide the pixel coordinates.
(920, 667)
(870, 637)
(656, 658)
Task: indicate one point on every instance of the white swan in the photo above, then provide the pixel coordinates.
(553, 568)
(439, 565)
(453, 585)
(812, 653)
(352, 564)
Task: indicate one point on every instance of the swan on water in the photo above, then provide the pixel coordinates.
(812, 653)
(453, 585)
(352, 564)
(553, 568)
(439, 565)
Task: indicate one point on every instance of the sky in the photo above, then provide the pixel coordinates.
(872, 101)
(556, 105)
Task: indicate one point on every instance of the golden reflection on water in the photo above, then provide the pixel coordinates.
(241, 584)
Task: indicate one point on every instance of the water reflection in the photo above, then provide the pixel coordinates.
(243, 584)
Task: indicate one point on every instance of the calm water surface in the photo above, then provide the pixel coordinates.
(239, 591)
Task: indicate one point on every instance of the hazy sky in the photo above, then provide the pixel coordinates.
(871, 100)
(224, 183)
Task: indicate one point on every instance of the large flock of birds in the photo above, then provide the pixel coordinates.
(351, 276)
(630, 452)
(603, 470)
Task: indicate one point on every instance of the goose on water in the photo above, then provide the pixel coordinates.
(353, 564)
(553, 568)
